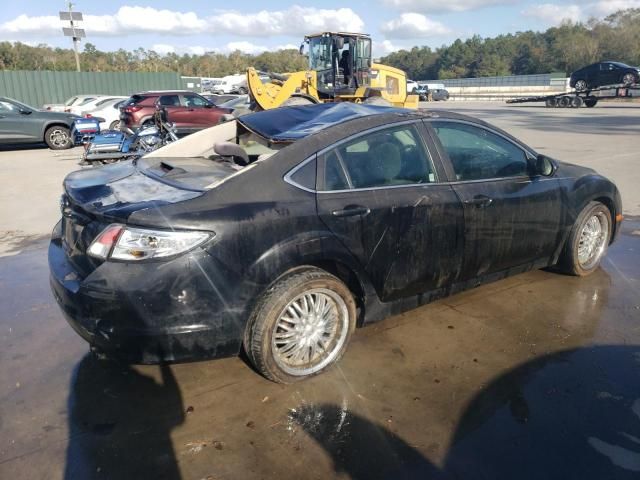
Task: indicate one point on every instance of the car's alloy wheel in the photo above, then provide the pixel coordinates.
(115, 125)
(301, 325)
(310, 332)
(588, 240)
(57, 138)
(593, 240)
(629, 79)
(581, 85)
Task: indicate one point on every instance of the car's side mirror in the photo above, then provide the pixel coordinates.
(24, 111)
(301, 50)
(544, 166)
(209, 105)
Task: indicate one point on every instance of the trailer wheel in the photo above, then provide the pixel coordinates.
(564, 102)
(590, 102)
(551, 102)
(576, 102)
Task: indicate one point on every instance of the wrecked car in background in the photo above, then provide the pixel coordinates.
(281, 231)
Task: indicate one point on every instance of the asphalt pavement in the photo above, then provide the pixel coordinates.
(536, 376)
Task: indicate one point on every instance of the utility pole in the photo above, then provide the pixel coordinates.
(75, 33)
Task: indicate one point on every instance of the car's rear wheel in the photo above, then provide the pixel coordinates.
(581, 85)
(588, 240)
(115, 125)
(301, 325)
(629, 79)
(58, 138)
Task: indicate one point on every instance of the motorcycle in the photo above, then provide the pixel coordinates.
(114, 146)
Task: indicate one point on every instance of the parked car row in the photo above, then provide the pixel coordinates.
(187, 111)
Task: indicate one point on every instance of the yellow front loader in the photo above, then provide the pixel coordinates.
(340, 70)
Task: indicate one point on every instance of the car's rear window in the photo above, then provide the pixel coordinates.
(135, 99)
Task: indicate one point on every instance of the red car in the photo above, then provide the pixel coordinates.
(188, 111)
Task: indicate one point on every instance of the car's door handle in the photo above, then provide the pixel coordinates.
(351, 210)
(479, 201)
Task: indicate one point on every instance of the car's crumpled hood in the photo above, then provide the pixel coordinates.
(118, 190)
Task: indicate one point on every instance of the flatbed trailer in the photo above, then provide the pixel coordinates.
(576, 99)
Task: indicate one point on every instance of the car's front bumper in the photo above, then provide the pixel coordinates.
(148, 312)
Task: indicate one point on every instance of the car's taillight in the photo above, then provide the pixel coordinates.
(127, 243)
(87, 115)
(132, 108)
(102, 245)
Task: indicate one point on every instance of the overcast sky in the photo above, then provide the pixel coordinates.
(199, 26)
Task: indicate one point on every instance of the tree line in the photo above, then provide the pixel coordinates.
(564, 48)
(559, 49)
(19, 56)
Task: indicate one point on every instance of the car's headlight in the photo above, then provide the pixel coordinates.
(119, 242)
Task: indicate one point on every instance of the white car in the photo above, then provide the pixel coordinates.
(75, 101)
(108, 109)
(93, 104)
(230, 84)
(411, 86)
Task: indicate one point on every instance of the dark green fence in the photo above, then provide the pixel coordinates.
(39, 87)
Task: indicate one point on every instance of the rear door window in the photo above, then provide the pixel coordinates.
(393, 156)
(169, 101)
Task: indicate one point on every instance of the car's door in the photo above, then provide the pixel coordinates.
(176, 113)
(379, 193)
(200, 112)
(18, 127)
(512, 217)
(609, 74)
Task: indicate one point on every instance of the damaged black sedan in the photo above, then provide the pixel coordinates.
(281, 231)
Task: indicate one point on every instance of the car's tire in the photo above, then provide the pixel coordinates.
(115, 125)
(576, 102)
(629, 79)
(588, 240)
(58, 138)
(294, 318)
(581, 85)
(377, 101)
(242, 91)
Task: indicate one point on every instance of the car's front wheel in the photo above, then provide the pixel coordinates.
(58, 138)
(301, 325)
(588, 240)
(581, 85)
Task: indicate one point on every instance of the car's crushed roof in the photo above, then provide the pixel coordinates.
(288, 124)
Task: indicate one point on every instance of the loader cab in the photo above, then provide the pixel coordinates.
(342, 62)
